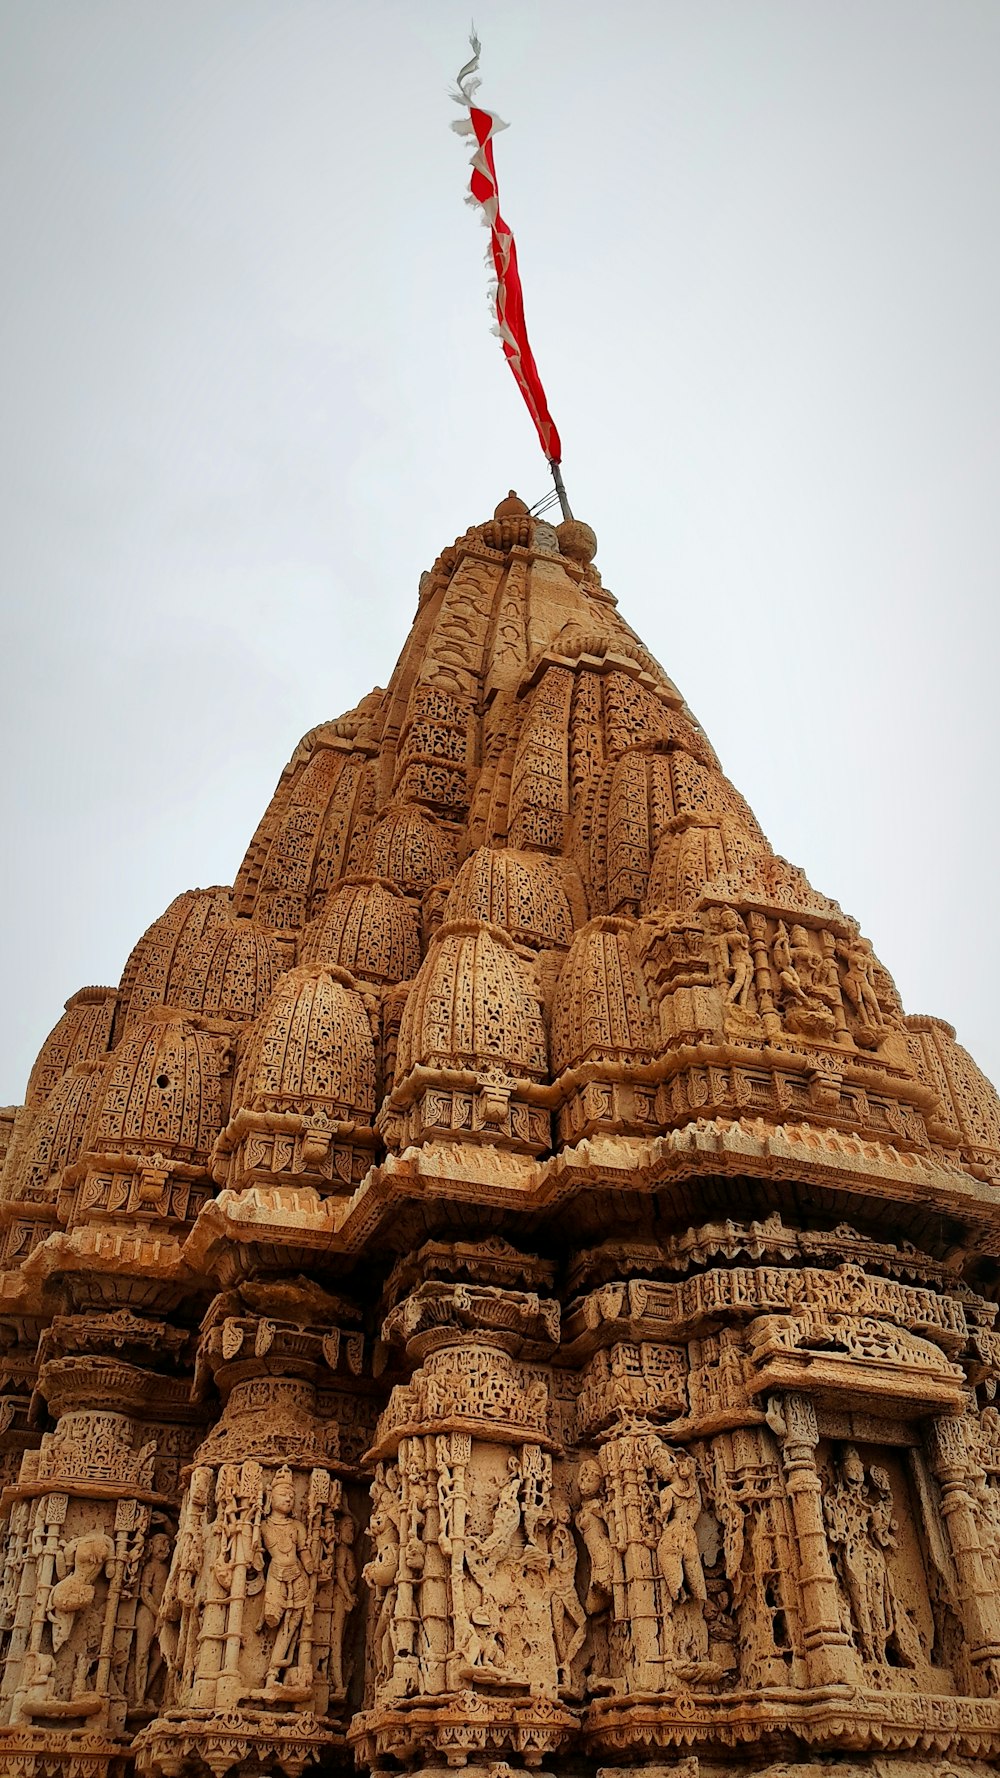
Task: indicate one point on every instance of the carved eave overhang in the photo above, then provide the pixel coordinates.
(641, 1310)
(263, 1229)
(771, 1240)
(855, 1176)
(834, 1717)
(852, 1177)
(104, 1267)
(179, 1740)
(854, 1362)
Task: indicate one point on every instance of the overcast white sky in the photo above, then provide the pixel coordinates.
(249, 391)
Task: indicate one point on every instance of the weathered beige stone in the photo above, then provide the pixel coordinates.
(506, 1284)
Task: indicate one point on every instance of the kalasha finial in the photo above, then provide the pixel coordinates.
(511, 508)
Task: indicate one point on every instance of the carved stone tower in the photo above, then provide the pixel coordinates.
(505, 1285)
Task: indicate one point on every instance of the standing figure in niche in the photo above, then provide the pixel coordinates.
(345, 1597)
(592, 1524)
(289, 1566)
(859, 981)
(569, 1620)
(680, 1504)
(152, 1585)
(862, 1532)
(382, 1574)
(900, 1632)
(737, 959)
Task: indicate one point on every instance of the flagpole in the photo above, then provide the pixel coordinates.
(556, 469)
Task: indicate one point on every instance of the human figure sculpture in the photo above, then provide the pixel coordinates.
(592, 1524)
(382, 1573)
(810, 969)
(569, 1620)
(859, 981)
(287, 1582)
(737, 959)
(78, 1566)
(507, 1514)
(152, 1585)
(862, 1532)
(344, 1599)
(792, 991)
(680, 1504)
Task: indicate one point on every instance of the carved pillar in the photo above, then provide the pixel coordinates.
(263, 1580)
(951, 1453)
(473, 1620)
(830, 1653)
(90, 1522)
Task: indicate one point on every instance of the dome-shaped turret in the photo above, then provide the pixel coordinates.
(162, 1092)
(601, 1009)
(57, 1134)
(694, 850)
(229, 974)
(163, 951)
(368, 928)
(81, 1035)
(410, 849)
(311, 1050)
(524, 892)
(471, 1007)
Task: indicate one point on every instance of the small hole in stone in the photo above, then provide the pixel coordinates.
(163, 1080)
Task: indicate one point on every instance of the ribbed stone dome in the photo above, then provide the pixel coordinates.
(524, 892)
(82, 1034)
(410, 849)
(310, 1050)
(368, 928)
(57, 1134)
(229, 974)
(601, 1008)
(694, 850)
(162, 1092)
(163, 951)
(471, 1006)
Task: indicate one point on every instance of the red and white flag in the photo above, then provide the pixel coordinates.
(507, 297)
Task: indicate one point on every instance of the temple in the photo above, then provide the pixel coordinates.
(505, 1285)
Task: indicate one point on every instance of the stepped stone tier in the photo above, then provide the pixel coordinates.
(505, 1285)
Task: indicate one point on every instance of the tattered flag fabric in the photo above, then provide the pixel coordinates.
(506, 293)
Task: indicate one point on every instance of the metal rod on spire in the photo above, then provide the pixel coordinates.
(556, 469)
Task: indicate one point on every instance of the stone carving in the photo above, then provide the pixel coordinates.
(859, 1515)
(429, 1326)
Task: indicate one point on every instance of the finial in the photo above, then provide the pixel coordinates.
(511, 508)
(577, 540)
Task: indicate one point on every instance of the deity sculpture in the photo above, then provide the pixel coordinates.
(287, 1583)
(862, 1530)
(569, 1620)
(737, 959)
(148, 1655)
